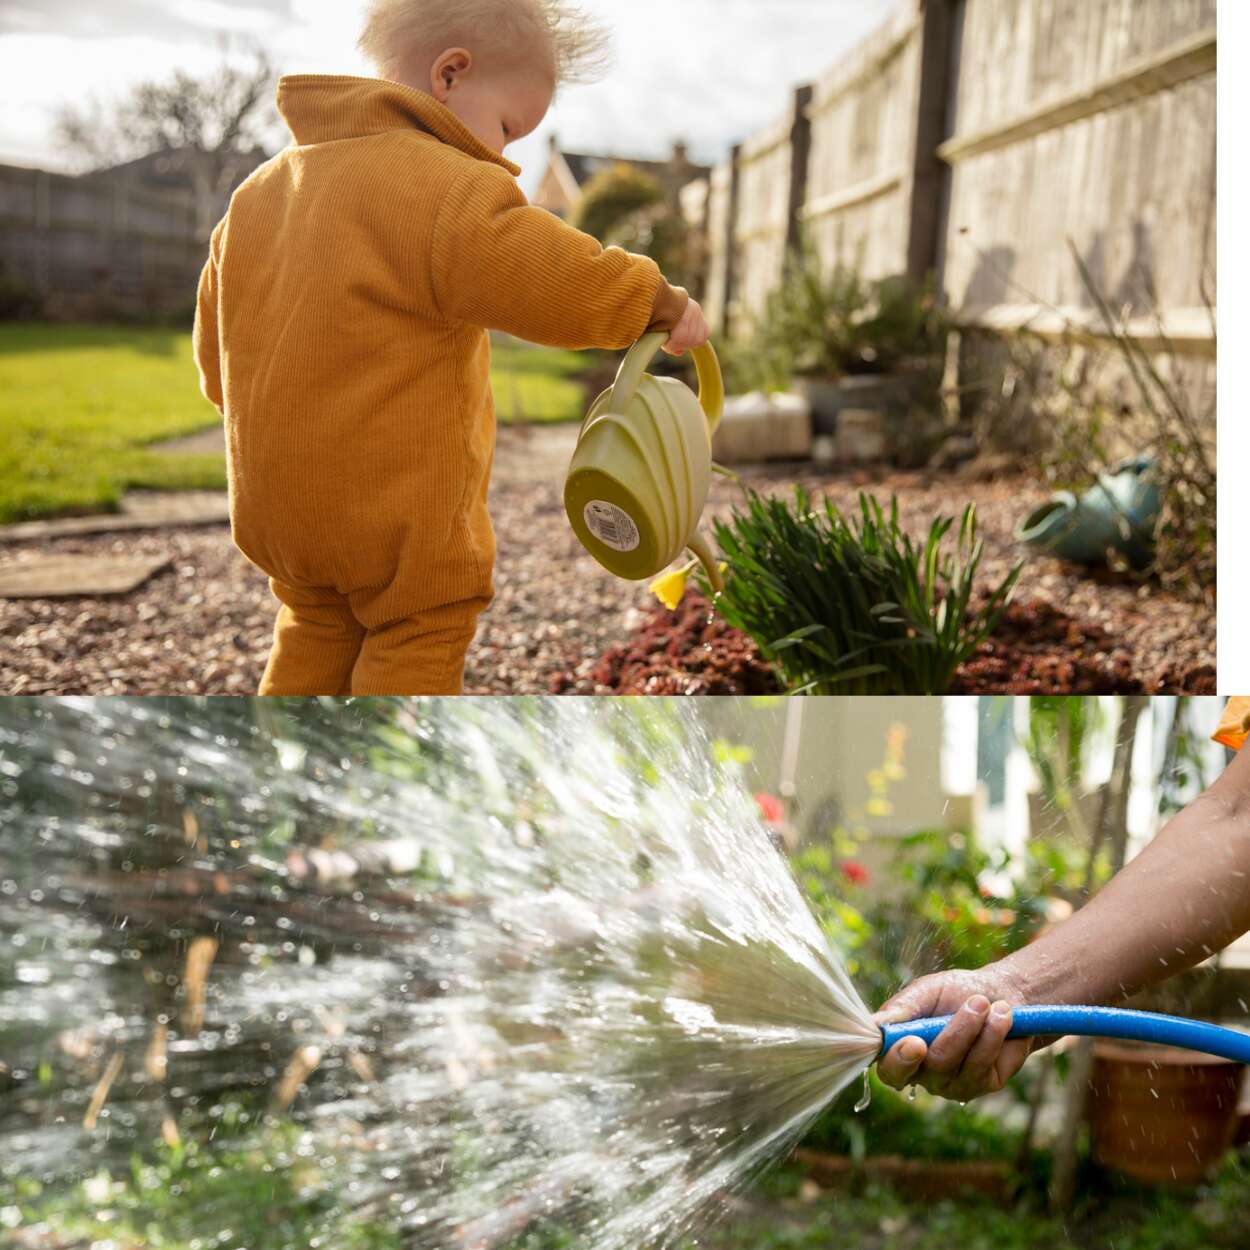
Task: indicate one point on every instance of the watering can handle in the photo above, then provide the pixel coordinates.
(711, 384)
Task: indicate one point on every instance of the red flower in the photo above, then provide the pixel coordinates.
(771, 808)
(855, 872)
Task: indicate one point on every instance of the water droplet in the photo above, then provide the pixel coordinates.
(866, 1097)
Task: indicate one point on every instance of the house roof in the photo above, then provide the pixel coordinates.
(583, 166)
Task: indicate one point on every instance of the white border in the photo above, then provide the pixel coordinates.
(1233, 366)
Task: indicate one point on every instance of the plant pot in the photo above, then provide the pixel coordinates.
(829, 397)
(824, 397)
(1162, 1115)
(861, 436)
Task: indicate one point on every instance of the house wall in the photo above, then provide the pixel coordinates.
(840, 741)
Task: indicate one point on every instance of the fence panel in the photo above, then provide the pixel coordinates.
(1091, 121)
(863, 127)
(762, 228)
(717, 245)
(103, 246)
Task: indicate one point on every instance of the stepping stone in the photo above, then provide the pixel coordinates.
(141, 510)
(62, 577)
(206, 443)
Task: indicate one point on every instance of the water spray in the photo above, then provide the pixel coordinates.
(507, 965)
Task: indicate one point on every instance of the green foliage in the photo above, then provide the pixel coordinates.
(748, 368)
(855, 606)
(1059, 730)
(271, 1194)
(829, 324)
(18, 301)
(878, 1217)
(611, 196)
(658, 231)
(926, 1128)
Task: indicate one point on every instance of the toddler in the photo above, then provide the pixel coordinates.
(342, 331)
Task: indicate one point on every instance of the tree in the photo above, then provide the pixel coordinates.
(209, 121)
(624, 206)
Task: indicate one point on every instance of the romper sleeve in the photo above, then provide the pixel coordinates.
(206, 339)
(500, 262)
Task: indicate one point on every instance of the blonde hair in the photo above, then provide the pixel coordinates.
(576, 44)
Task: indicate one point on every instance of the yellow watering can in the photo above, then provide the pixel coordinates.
(643, 464)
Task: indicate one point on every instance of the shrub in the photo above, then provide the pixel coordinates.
(831, 324)
(612, 195)
(660, 232)
(855, 606)
(18, 300)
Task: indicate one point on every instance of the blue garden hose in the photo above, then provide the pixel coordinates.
(1132, 1026)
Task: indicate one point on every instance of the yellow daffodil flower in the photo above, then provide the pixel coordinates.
(670, 588)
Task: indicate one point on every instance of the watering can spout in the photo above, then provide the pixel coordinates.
(641, 471)
(699, 547)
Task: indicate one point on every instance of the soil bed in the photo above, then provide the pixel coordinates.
(559, 622)
(1037, 649)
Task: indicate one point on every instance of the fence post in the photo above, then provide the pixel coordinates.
(800, 157)
(731, 243)
(43, 233)
(928, 171)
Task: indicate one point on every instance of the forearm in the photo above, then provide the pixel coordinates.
(1185, 897)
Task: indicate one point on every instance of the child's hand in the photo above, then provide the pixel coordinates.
(691, 331)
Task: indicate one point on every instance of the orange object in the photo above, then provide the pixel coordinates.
(1162, 1115)
(1234, 727)
(342, 330)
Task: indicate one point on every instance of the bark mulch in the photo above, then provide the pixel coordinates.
(560, 623)
(1037, 649)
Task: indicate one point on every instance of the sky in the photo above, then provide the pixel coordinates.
(710, 72)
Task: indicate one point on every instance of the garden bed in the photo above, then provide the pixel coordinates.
(559, 622)
(1037, 649)
(791, 1214)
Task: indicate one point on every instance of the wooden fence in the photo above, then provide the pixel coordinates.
(971, 140)
(99, 246)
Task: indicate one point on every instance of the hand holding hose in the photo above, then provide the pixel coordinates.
(972, 1055)
(1184, 897)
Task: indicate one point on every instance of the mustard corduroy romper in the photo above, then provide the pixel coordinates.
(342, 330)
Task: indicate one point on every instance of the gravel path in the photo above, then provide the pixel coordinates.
(204, 625)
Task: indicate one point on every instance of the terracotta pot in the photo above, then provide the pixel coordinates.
(1162, 1115)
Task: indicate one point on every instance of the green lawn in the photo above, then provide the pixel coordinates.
(77, 406)
(80, 404)
(537, 384)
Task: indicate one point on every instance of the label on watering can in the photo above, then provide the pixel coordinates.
(611, 525)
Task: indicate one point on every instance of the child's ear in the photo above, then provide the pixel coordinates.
(448, 70)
